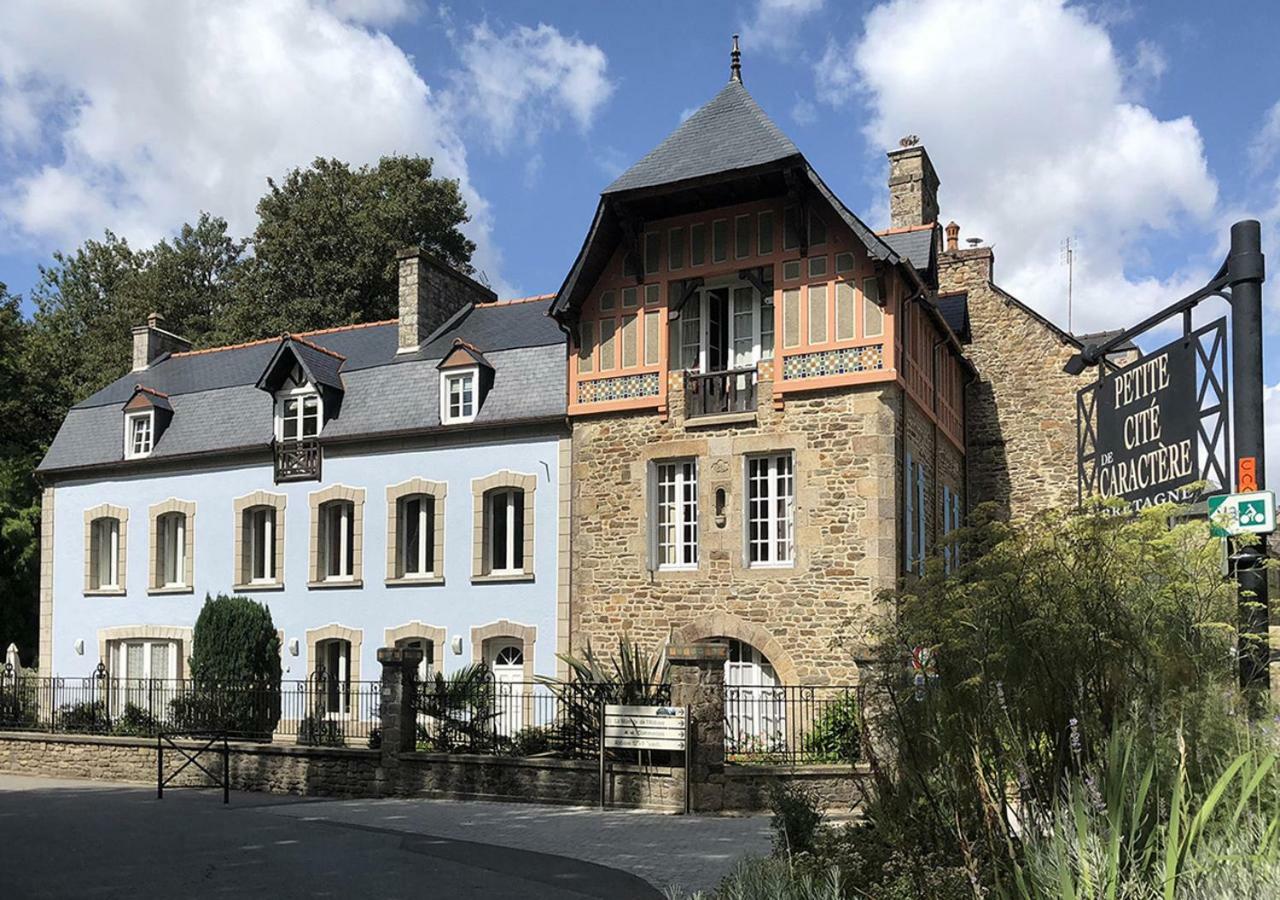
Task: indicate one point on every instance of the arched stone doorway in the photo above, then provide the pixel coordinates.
(726, 627)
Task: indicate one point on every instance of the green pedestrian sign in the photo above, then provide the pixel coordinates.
(1252, 513)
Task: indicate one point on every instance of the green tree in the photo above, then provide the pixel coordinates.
(20, 447)
(324, 249)
(234, 641)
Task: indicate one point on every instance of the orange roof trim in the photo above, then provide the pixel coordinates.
(152, 391)
(314, 346)
(297, 336)
(904, 228)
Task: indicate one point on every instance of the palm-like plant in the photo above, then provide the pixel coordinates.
(460, 709)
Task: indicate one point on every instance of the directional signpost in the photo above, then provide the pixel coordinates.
(1252, 513)
(645, 728)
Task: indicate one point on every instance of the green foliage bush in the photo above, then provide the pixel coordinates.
(797, 815)
(135, 721)
(235, 669)
(459, 710)
(530, 741)
(86, 716)
(837, 735)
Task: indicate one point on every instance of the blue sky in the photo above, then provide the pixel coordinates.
(1142, 129)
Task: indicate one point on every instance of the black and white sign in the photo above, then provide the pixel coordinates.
(1147, 425)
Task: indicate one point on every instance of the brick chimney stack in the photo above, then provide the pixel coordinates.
(430, 292)
(953, 237)
(913, 185)
(150, 342)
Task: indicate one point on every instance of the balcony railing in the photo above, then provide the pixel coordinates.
(297, 460)
(719, 392)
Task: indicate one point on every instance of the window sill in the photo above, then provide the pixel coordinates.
(415, 581)
(731, 418)
(105, 592)
(675, 571)
(172, 589)
(502, 578)
(335, 585)
(258, 586)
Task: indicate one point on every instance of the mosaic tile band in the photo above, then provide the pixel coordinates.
(624, 387)
(833, 362)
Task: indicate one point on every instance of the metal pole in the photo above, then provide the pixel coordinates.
(226, 771)
(601, 739)
(1245, 273)
(159, 766)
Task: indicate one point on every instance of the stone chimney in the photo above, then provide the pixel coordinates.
(953, 237)
(150, 342)
(913, 185)
(430, 292)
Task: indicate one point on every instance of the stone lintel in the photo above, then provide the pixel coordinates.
(693, 653)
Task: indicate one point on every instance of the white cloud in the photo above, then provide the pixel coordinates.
(775, 23)
(1271, 415)
(134, 119)
(527, 80)
(803, 111)
(1023, 108)
(1265, 146)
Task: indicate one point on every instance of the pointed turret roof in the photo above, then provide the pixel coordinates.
(729, 132)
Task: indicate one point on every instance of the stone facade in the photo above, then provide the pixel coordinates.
(913, 188)
(1020, 412)
(844, 444)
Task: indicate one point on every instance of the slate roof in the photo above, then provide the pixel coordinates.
(917, 245)
(955, 310)
(217, 407)
(730, 132)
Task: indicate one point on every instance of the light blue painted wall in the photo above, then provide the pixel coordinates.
(457, 605)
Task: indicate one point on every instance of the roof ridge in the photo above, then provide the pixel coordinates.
(314, 346)
(530, 299)
(152, 391)
(255, 343)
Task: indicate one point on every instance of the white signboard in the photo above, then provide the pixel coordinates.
(645, 727)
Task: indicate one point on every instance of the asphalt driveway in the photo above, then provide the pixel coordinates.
(62, 838)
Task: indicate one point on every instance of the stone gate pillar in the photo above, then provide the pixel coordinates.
(396, 707)
(697, 683)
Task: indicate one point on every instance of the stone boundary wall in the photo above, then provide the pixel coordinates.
(841, 788)
(343, 772)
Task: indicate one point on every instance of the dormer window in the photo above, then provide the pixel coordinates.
(465, 378)
(459, 396)
(139, 432)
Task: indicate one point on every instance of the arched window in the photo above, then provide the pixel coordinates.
(337, 540)
(755, 707)
(415, 536)
(504, 531)
(506, 659)
(171, 550)
(104, 554)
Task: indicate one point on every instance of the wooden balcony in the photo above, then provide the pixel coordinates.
(297, 460)
(717, 393)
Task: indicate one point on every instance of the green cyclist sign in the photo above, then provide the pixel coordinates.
(1252, 513)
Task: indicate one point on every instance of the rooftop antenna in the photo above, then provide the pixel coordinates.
(735, 62)
(973, 242)
(1069, 247)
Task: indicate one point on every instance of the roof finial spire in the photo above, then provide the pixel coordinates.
(735, 62)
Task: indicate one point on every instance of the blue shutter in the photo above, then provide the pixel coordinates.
(908, 504)
(920, 517)
(947, 525)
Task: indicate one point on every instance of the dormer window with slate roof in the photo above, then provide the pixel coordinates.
(299, 408)
(146, 415)
(465, 378)
(305, 381)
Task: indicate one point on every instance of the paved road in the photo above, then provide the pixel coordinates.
(77, 838)
(92, 839)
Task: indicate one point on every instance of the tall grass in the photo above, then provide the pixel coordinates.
(1136, 826)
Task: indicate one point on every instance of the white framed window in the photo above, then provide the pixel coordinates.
(337, 540)
(770, 510)
(104, 554)
(674, 514)
(504, 527)
(458, 396)
(298, 414)
(171, 550)
(260, 526)
(416, 535)
(139, 434)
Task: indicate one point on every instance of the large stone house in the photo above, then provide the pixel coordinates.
(767, 413)
(777, 412)
(384, 484)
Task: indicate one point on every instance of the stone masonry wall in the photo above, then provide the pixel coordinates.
(844, 445)
(944, 465)
(1020, 414)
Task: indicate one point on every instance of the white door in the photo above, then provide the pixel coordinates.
(507, 663)
(754, 719)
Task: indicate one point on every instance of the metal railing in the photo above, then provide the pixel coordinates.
(318, 710)
(525, 718)
(719, 392)
(790, 725)
(297, 460)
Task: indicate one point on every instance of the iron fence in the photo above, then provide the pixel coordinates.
(790, 725)
(318, 710)
(524, 718)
